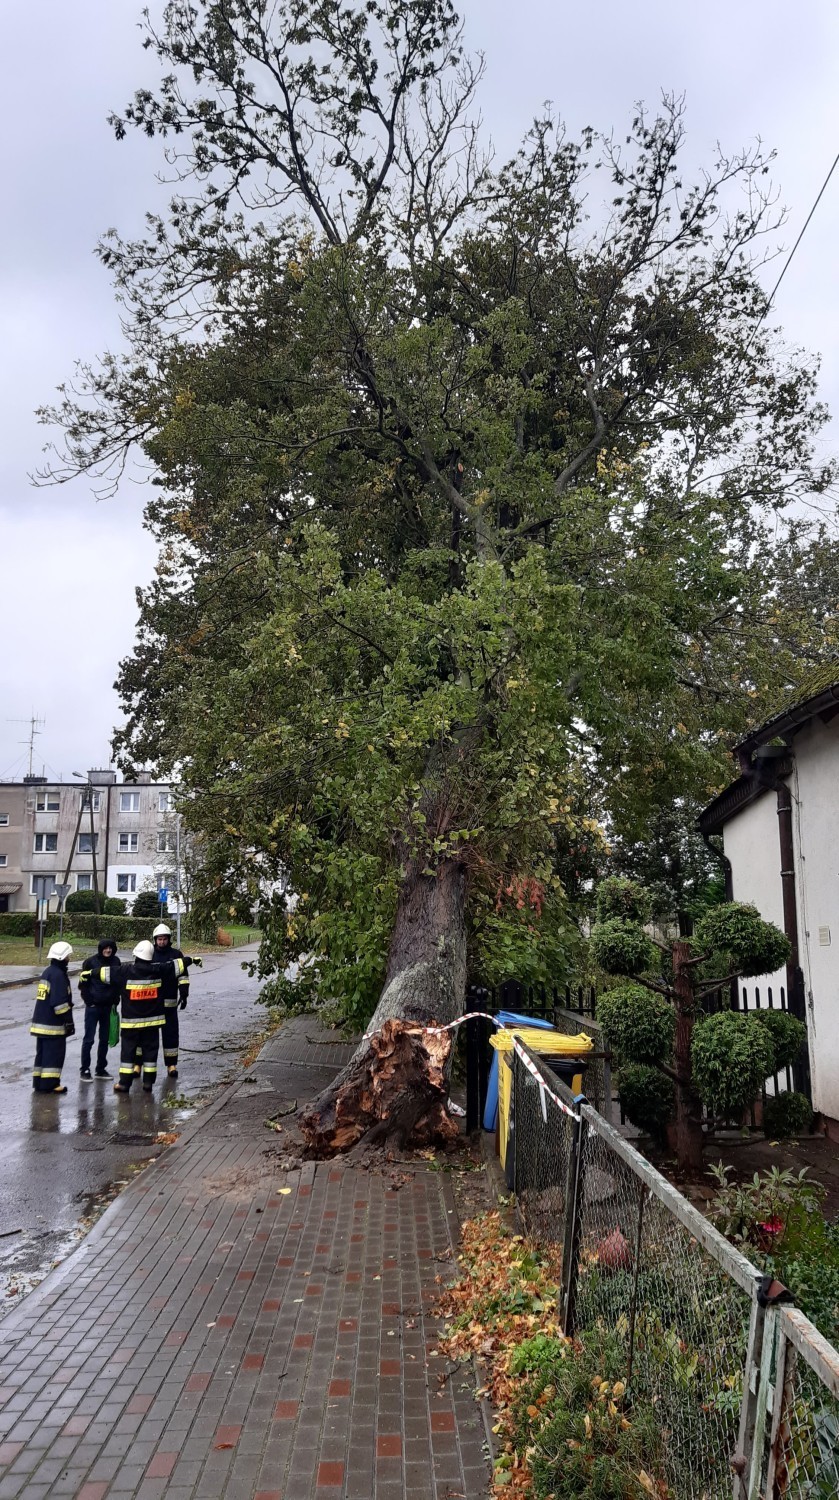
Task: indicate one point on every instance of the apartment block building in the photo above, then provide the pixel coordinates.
(58, 830)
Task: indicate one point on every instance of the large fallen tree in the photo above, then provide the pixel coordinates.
(470, 496)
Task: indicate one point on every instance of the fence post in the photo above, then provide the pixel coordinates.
(749, 1439)
(777, 1473)
(573, 1218)
(473, 1091)
(633, 1304)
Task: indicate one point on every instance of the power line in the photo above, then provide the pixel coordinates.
(786, 264)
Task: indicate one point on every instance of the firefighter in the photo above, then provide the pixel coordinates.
(52, 1021)
(175, 996)
(141, 999)
(99, 989)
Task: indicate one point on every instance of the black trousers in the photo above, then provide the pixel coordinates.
(171, 1036)
(142, 1040)
(96, 1015)
(49, 1060)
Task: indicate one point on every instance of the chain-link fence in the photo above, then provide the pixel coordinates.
(743, 1393)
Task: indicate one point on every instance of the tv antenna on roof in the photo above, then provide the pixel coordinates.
(35, 727)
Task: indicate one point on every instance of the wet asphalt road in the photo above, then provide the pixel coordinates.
(62, 1159)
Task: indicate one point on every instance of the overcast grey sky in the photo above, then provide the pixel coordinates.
(69, 565)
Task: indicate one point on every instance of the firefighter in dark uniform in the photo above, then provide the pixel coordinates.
(99, 989)
(141, 1000)
(52, 1021)
(175, 996)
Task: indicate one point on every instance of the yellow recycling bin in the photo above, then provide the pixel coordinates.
(545, 1044)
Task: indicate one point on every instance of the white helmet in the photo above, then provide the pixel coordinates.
(59, 953)
(161, 930)
(144, 950)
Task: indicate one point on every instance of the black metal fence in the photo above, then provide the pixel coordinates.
(744, 1391)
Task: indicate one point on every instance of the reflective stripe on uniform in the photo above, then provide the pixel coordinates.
(149, 1067)
(132, 1025)
(104, 976)
(35, 1030)
(180, 966)
(50, 1072)
(60, 1009)
(171, 1004)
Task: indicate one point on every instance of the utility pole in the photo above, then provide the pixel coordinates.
(178, 876)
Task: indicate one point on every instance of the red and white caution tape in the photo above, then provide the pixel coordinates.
(543, 1087)
(472, 1015)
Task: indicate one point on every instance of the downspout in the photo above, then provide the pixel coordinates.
(795, 978)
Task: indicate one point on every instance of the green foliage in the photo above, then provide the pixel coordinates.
(739, 935)
(638, 1023)
(622, 898)
(777, 1218)
(647, 1096)
(786, 1115)
(146, 904)
(434, 593)
(732, 1055)
(621, 947)
(787, 1033)
(17, 923)
(583, 1440)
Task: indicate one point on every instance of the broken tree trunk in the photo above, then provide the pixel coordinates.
(685, 1136)
(396, 1084)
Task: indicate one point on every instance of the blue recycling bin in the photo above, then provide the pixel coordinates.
(506, 1018)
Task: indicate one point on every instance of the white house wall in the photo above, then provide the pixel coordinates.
(815, 790)
(752, 843)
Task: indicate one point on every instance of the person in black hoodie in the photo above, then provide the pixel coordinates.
(175, 996)
(141, 1001)
(52, 1021)
(99, 989)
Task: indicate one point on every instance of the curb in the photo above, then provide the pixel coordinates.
(13, 984)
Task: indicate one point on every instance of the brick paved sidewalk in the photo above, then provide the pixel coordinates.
(217, 1337)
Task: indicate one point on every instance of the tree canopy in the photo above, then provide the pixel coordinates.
(477, 486)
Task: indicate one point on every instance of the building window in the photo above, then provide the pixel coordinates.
(4, 860)
(88, 843)
(91, 797)
(126, 884)
(46, 843)
(166, 843)
(165, 802)
(48, 888)
(47, 801)
(128, 843)
(84, 882)
(129, 801)
(4, 820)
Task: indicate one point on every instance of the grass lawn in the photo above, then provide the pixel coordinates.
(19, 950)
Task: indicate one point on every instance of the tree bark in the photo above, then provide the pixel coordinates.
(396, 1084)
(685, 1136)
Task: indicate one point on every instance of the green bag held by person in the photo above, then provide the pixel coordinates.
(113, 1028)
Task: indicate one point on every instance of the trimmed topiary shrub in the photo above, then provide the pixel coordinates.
(638, 1023)
(625, 899)
(731, 1055)
(647, 1097)
(621, 947)
(146, 904)
(787, 1034)
(739, 933)
(82, 902)
(17, 923)
(787, 1114)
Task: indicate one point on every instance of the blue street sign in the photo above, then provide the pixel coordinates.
(163, 895)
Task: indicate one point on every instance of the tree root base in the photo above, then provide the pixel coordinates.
(393, 1094)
